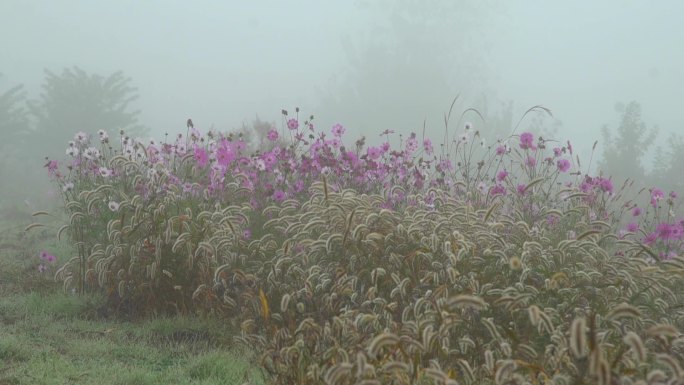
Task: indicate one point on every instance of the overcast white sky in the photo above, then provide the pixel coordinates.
(223, 62)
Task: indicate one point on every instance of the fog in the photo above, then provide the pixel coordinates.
(369, 65)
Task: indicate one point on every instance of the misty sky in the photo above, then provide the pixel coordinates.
(224, 62)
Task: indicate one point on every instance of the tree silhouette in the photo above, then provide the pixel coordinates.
(14, 122)
(77, 101)
(669, 163)
(623, 153)
(401, 74)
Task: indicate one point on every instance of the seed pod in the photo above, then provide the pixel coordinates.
(578, 337)
(504, 372)
(624, 310)
(284, 302)
(634, 341)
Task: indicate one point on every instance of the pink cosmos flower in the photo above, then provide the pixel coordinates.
(606, 185)
(501, 175)
(427, 146)
(527, 141)
(411, 145)
(667, 231)
(650, 239)
(498, 190)
(279, 195)
(374, 152)
(201, 156)
(338, 130)
(632, 227)
(292, 124)
(272, 135)
(656, 195)
(521, 189)
(563, 165)
(52, 167)
(500, 150)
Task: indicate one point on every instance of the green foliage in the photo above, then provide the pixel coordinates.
(42, 346)
(623, 153)
(13, 120)
(669, 163)
(75, 100)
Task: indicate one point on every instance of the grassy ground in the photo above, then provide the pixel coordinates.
(48, 337)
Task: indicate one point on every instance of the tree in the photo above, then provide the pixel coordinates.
(77, 101)
(13, 119)
(669, 163)
(623, 153)
(417, 57)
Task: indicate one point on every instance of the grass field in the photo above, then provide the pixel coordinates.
(49, 337)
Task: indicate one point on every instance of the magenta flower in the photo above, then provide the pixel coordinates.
(650, 238)
(52, 167)
(656, 195)
(606, 185)
(530, 161)
(501, 175)
(201, 156)
(557, 151)
(527, 141)
(445, 165)
(636, 212)
(673, 195)
(45, 256)
(632, 227)
(667, 231)
(427, 146)
(500, 150)
(225, 154)
(521, 189)
(563, 165)
(498, 190)
(338, 130)
(374, 152)
(411, 145)
(272, 135)
(292, 124)
(279, 196)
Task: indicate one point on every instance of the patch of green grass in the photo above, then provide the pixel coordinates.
(44, 340)
(49, 337)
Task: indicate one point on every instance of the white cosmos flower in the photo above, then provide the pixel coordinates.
(81, 137)
(72, 151)
(91, 153)
(114, 206)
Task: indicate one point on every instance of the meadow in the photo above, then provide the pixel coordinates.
(196, 259)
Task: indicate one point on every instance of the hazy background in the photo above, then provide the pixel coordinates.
(370, 65)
